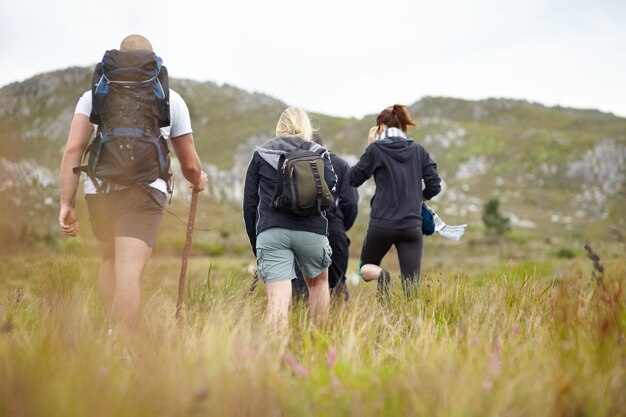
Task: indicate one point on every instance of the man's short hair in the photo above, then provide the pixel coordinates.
(135, 42)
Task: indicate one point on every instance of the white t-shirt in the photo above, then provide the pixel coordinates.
(180, 124)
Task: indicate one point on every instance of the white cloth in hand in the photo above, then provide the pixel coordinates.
(452, 232)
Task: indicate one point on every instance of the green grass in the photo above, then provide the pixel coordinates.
(517, 339)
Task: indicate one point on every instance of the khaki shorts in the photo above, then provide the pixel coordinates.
(278, 249)
(130, 212)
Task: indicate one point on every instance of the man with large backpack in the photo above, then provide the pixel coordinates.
(133, 112)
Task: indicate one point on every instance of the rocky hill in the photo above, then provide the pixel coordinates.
(555, 170)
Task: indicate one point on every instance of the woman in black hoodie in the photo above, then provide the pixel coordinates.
(279, 238)
(400, 166)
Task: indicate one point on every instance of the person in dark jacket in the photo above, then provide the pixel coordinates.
(341, 217)
(400, 166)
(279, 239)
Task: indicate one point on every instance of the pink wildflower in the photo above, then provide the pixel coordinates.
(331, 358)
(494, 364)
(244, 353)
(497, 346)
(296, 367)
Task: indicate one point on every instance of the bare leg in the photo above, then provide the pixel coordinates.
(370, 272)
(319, 294)
(106, 279)
(131, 256)
(278, 297)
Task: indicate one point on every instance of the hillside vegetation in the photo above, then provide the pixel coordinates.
(536, 331)
(558, 172)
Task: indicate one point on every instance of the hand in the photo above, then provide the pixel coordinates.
(373, 135)
(68, 220)
(202, 183)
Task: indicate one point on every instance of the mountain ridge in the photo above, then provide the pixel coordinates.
(553, 168)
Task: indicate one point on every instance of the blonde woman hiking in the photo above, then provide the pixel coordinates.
(280, 238)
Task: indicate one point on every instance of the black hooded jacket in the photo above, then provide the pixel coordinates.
(342, 215)
(260, 183)
(398, 165)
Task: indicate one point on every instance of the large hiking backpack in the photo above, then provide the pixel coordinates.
(300, 185)
(130, 103)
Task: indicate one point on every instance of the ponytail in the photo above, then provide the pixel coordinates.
(395, 116)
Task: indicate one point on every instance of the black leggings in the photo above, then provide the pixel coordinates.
(408, 242)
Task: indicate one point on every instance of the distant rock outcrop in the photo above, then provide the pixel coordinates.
(549, 166)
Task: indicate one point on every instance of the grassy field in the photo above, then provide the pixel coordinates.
(517, 339)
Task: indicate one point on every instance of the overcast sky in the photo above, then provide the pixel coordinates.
(344, 57)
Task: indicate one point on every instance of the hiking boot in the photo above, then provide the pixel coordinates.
(382, 288)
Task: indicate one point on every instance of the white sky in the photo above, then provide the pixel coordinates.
(344, 57)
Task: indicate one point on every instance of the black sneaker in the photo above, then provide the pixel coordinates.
(382, 288)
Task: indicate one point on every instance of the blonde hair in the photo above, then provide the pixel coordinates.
(134, 43)
(294, 122)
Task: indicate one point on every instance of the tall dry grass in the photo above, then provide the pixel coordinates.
(511, 343)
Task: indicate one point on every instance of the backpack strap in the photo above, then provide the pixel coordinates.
(320, 149)
(318, 185)
(85, 167)
(125, 131)
(101, 139)
(317, 176)
(278, 190)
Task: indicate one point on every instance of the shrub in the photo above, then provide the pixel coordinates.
(566, 253)
(208, 248)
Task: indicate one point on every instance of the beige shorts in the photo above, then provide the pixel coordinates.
(130, 212)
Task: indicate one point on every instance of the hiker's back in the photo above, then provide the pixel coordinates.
(262, 182)
(128, 100)
(130, 103)
(130, 89)
(301, 188)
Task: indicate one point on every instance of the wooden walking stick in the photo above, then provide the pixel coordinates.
(255, 281)
(183, 266)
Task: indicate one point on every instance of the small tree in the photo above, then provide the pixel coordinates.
(496, 224)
